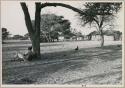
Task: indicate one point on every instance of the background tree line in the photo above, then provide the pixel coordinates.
(52, 26)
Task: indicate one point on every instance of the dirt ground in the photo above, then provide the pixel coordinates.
(61, 64)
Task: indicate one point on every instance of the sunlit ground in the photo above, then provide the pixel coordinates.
(61, 64)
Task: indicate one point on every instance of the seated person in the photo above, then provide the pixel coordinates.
(19, 56)
(29, 55)
(23, 57)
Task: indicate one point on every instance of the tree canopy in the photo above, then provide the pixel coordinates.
(100, 14)
(93, 11)
(51, 26)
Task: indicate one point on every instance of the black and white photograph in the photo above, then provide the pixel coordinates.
(62, 43)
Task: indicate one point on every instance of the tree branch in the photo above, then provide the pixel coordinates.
(63, 5)
(102, 20)
(27, 18)
(96, 22)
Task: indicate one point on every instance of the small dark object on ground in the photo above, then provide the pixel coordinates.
(64, 55)
(77, 48)
(119, 45)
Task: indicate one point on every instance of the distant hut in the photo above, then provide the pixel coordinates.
(77, 36)
(109, 35)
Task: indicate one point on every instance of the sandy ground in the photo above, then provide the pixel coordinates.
(61, 64)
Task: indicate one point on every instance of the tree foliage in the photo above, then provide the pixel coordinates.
(99, 15)
(95, 9)
(51, 26)
(18, 37)
(5, 33)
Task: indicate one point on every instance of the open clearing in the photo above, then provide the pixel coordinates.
(61, 64)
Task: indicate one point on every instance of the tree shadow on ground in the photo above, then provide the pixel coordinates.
(86, 53)
(22, 81)
(96, 78)
(27, 73)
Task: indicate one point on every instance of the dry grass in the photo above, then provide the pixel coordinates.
(61, 64)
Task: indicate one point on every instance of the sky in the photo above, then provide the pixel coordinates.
(12, 16)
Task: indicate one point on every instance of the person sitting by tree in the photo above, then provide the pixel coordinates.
(29, 55)
(19, 57)
(23, 57)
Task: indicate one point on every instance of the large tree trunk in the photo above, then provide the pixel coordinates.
(33, 32)
(36, 39)
(36, 45)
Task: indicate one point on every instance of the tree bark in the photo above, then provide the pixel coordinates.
(100, 23)
(33, 32)
(62, 5)
(27, 19)
(36, 39)
(36, 45)
(102, 38)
